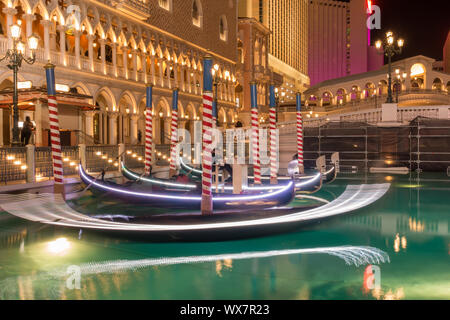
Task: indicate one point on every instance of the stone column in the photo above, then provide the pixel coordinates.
(9, 12)
(2, 124)
(77, 35)
(189, 80)
(134, 61)
(103, 54)
(161, 77)
(182, 79)
(31, 171)
(125, 61)
(113, 127)
(89, 123)
(46, 24)
(38, 121)
(175, 75)
(62, 44)
(114, 58)
(144, 66)
(152, 70)
(134, 128)
(29, 25)
(91, 38)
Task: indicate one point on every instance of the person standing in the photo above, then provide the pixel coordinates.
(27, 129)
(139, 136)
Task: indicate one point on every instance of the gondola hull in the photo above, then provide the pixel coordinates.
(303, 184)
(138, 194)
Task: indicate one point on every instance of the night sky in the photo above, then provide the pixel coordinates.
(424, 24)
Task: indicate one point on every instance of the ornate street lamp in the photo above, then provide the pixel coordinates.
(15, 56)
(390, 49)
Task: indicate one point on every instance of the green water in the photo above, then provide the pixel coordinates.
(410, 223)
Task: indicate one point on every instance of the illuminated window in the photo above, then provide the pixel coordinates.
(165, 4)
(223, 28)
(417, 69)
(197, 14)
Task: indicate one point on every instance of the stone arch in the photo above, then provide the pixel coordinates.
(382, 87)
(8, 76)
(222, 117)
(355, 93)
(85, 25)
(312, 100)
(111, 34)
(162, 120)
(223, 28)
(59, 16)
(437, 84)
(327, 98)
(197, 13)
(24, 3)
(99, 29)
(417, 69)
(129, 98)
(369, 89)
(85, 90)
(230, 116)
(107, 94)
(39, 6)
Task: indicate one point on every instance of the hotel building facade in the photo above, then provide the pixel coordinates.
(339, 41)
(106, 52)
(287, 44)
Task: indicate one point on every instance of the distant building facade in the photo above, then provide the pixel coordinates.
(446, 54)
(339, 40)
(287, 48)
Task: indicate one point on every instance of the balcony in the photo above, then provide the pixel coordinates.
(138, 9)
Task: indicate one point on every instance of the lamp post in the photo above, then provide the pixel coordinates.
(216, 80)
(400, 80)
(390, 50)
(15, 56)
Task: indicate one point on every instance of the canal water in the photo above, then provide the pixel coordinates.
(410, 225)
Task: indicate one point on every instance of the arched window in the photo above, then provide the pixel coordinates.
(223, 28)
(197, 13)
(165, 4)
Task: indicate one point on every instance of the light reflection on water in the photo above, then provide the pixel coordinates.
(411, 224)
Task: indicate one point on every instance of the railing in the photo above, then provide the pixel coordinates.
(43, 162)
(11, 164)
(421, 145)
(101, 157)
(135, 156)
(83, 137)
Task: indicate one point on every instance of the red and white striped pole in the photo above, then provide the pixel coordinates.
(301, 168)
(55, 140)
(207, 204)
(273, 135)
(255, 134)
(174, 135)
(148, 129)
